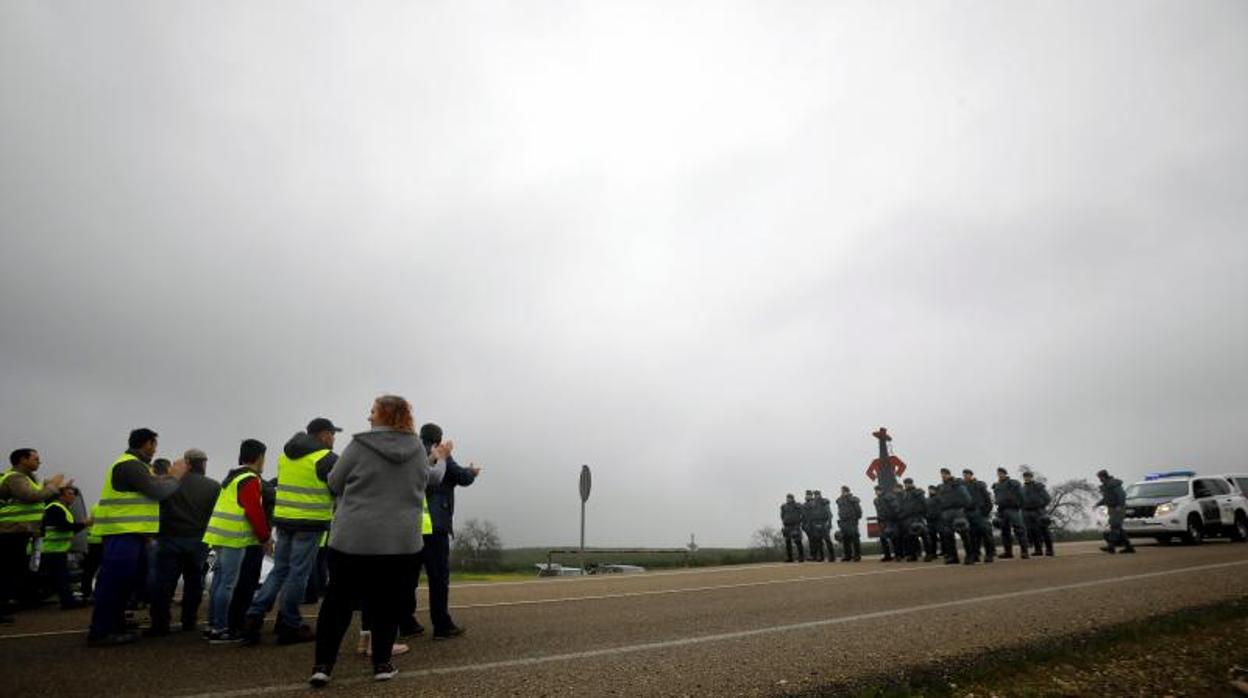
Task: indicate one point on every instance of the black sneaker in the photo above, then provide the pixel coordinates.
(321, 674)
(449, 634)
(112, 639)
(1108, 549)
(411, 629)
(293, 636)
(252, 627)
(1128, 551)
(224, 637)
(384, 672)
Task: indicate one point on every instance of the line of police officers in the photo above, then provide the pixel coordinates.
(913, 523)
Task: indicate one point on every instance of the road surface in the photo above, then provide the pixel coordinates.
(752, 630)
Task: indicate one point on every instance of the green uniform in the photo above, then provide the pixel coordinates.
(1009, 496)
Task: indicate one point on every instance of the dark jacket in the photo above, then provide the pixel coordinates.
(54, 520)
(791, 514)
(185, 513)
(848, 508)
(981, 497)
(1008, 493)
(953, 495)
(135, 476)
(440, 497)
(1035, 496)
(1112, 494)
(912, 504)
(932, 507)
(886, 507)
(298, 446)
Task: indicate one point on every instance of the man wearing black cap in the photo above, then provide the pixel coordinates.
(1114, 499)
(301, 515)
(435, 557)
(1009, 495)
(791, 520)
(978, 516)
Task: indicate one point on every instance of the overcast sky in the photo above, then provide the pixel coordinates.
(706, 248)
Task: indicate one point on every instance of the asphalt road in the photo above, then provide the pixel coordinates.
(761, 629)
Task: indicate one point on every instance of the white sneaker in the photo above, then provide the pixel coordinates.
(384, 672)
(395, 650)
(320, 677)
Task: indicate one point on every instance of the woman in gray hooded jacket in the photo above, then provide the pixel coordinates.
(379, 483)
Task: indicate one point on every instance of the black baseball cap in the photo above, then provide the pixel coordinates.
(320, 424)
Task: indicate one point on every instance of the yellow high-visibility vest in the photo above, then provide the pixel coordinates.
(125, 512)
(93, 536)
(16, 511)
(301, 495)
(228, 526)
(426, 521)
(55, 540)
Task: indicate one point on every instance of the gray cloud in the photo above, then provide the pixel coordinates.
(706, 249)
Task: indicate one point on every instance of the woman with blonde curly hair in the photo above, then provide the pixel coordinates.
(379, 482)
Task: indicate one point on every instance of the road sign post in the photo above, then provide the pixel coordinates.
(586, 481)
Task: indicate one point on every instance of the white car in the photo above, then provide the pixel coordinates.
(1186, 506)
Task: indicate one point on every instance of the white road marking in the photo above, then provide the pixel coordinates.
(722, 637)
(626, 594)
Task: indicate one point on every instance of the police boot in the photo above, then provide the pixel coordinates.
(1023, 552)
(1048, 548)
(857, 551)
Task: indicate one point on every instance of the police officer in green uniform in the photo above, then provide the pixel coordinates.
(932, 506)
(954, 501)
(979, 516)
(1009, 496)
(822, 526)
(912, 516)
(791, 521)
(885, 514)
(1035, 514)
(1114, 499)
(809, 514)
(848, 514)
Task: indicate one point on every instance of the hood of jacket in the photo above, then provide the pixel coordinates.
(302, 444)
(394, 446)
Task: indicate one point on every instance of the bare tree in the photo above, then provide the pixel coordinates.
(767, 538)
(1071, 506)
(478, 545)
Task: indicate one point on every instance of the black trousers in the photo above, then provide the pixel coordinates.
(54, 570)
(14, 568)
(91, 565)
(176, 557)
(436, 561)
(245, 587)
(382, 580)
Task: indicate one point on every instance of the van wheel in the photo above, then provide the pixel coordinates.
(1195, 534)
(1241, 527)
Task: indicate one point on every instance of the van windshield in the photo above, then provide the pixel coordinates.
(1145, 490)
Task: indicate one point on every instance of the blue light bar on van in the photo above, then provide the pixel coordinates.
(1170, 473)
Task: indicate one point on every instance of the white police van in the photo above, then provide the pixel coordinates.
(1180, 504)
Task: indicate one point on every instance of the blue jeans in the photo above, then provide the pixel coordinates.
(123, 568)
(224, 578)
(292, 563)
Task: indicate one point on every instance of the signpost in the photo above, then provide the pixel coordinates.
(885, 469)
(586, 481)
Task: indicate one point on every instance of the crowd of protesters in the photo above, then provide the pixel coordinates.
(353, 530)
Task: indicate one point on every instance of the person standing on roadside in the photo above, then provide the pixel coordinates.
(127, 516)
(236, 524)
(380, 483)
(932, 510)
(954, 501)
(848, 514)
(91, 561)
(59, 528)
(302, 514)
(1114, 499)
(435, 557)
(791, 523)
(180, 548)
(22, 499)
(1035, 515)
(1008, 494)
(978, 516)
(253, 562)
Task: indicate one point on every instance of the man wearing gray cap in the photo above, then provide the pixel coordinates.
(180, 549)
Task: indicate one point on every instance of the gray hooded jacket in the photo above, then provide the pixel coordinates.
(380, 482)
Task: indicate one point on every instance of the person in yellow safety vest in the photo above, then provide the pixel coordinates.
(59, 528)
(22, 498)
(237, 524)
(301, 515)
(91, 561)
(127, 515)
